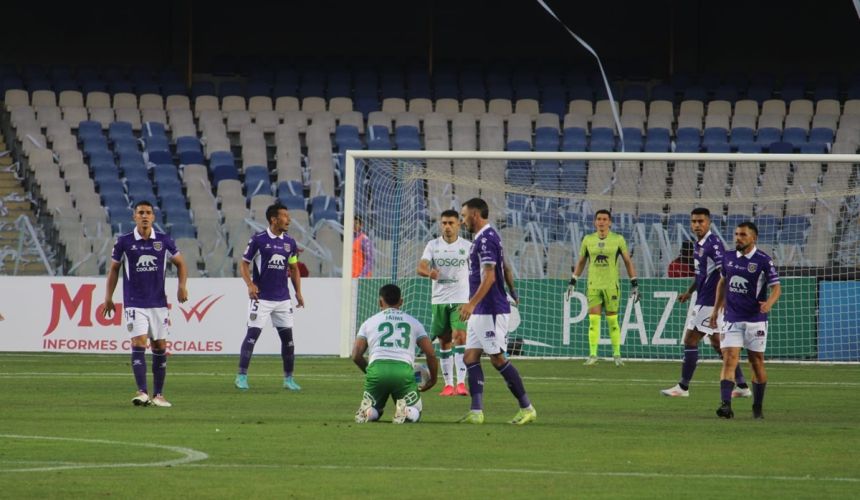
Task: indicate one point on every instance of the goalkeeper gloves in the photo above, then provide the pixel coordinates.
(571, 286)
(634, 295)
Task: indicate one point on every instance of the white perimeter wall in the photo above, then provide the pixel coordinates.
(59, 314)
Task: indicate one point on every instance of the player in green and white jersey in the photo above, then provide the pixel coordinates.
(391, 336)
(445, 261)
(601, 250)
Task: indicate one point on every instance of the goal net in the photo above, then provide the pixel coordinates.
(805, 206)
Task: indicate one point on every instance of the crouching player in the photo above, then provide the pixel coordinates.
(391, 336)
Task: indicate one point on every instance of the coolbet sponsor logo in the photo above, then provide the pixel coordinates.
(146, 263)
(738, 284)
(277, 261)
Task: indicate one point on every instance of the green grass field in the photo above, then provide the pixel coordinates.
(70, 431)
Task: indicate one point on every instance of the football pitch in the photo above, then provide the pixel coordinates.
(69, 430)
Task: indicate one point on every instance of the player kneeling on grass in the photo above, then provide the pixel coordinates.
(391, 336)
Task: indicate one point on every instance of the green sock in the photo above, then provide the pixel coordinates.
(593, 333)
(614, 334)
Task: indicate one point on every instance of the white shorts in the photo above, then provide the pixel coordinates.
(751, 335)
(488, 332)
(153, 322)
(280, 311)
(699, 318)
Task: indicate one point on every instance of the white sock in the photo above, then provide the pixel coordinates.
(461, 367)
(447, 366)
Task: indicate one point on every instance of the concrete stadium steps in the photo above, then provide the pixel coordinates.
(9, 185)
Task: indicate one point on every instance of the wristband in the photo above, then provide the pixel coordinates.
(634, 283)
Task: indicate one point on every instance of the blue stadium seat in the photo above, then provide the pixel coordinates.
(794, 230)
(781, 148)
(218, 158)
(158, 151)
(602, 139)
(741, 136)
(190, 151)
(795, 136)
(378, 138)
(182, 230)
(574, 139)
(153, 129)
(202, 88)
(257, 181)
(767, 136)
(632, 139)
(546, 139)
(224, 171)
(291, 195)
(821, 136)
(572, 176)
(718, 147)
(323, 208)
(768, 228)
(89, 128)
(688, 136)
(715, 135)
(750, 148)
(546, 174)
(118, 130)
(649, 219)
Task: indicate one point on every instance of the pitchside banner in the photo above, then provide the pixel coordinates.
(652, 329)
(54, 314)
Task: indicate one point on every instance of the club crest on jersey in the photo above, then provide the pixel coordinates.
(601, 244)
(701, 252)
(157, 246)
(752, 267)
(462, 251)
(287, 247)
(253, 316)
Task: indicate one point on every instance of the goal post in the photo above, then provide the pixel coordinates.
(807, 209)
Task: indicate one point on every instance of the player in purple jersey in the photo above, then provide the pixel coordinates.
(274, 255)
(745, 278)
(487, 315)
(143, 255)
(708, 259)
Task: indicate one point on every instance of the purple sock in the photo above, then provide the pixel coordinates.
(476, 384)
(247, 349)
(159, 369)
(515, 384)
(691, 359)
(758, 393)
(739, 377)
(726, 387)
(288, 350)
(138, 367)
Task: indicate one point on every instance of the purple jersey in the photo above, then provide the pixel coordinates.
(708, 259)
(747, 278)
(486, 250)
(145, 261)
(270, 257)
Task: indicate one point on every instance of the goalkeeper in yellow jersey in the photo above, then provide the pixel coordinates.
(601, 250)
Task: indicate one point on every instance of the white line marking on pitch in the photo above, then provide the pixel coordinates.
(657, 475)
(188, 457)
(575, 380)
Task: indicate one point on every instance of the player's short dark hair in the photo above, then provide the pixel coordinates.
(390, 294)
(450, 213)
(603, 211)
(701, 211)
(145, 203)
(479, 204)
(272, 211)
(750, 225)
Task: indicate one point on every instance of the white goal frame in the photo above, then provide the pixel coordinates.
(348, 321)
